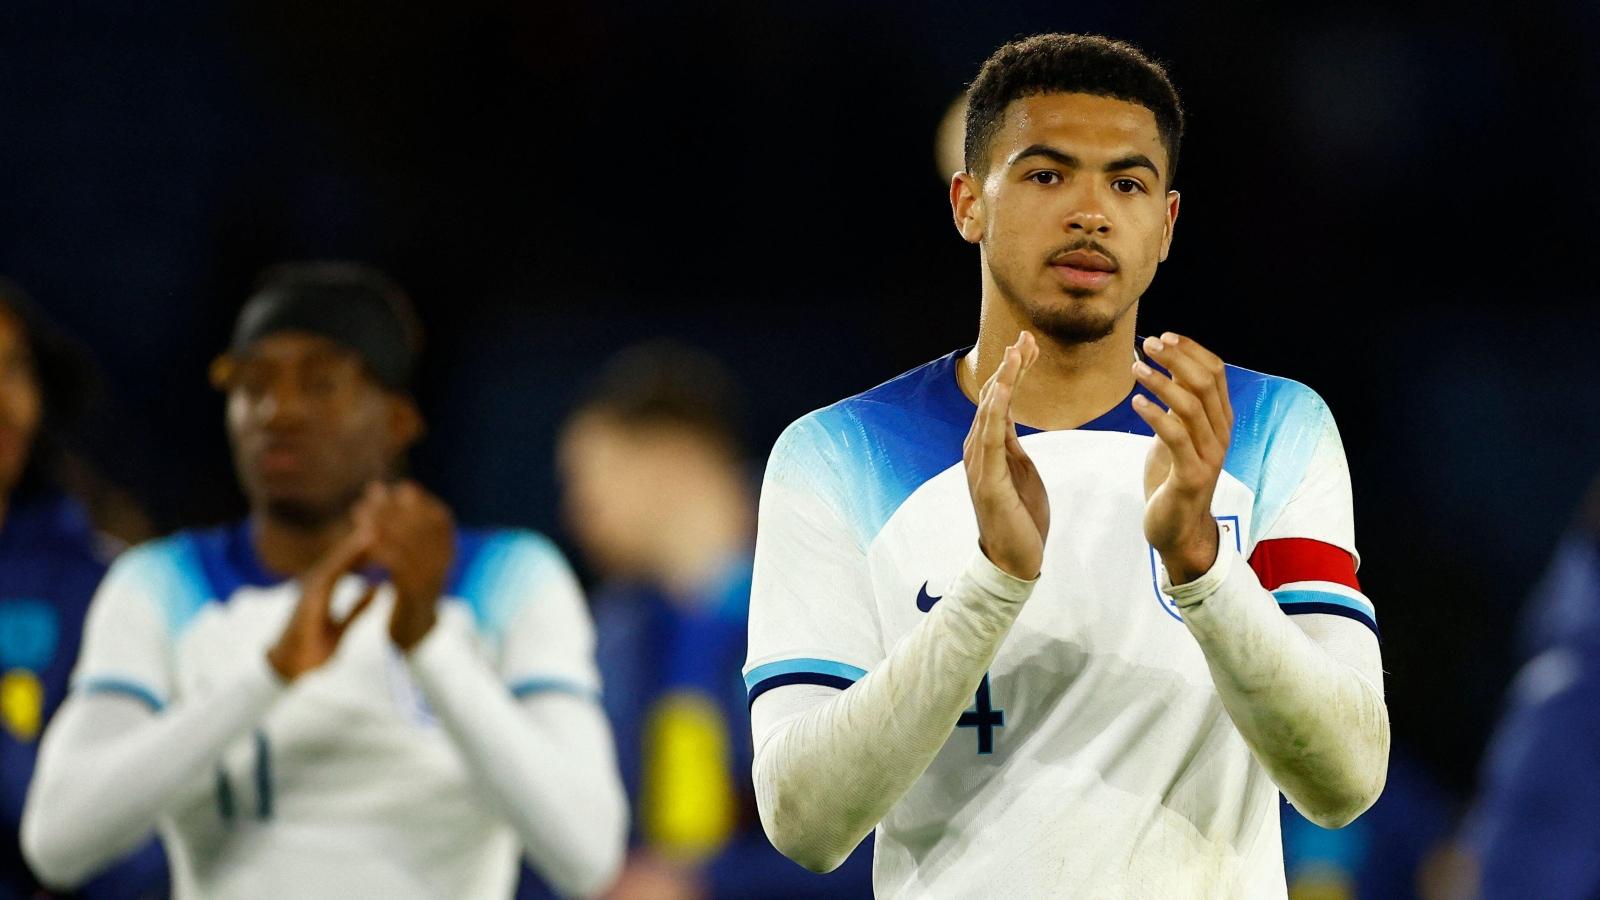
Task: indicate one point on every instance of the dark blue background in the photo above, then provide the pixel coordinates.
(1392, 204)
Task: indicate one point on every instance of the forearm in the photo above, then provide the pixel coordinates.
(824, 778)
(539, 760)
(1317, 722)
(106, 772)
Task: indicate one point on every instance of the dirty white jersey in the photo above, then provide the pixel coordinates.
(1096, 759)
(349, 786)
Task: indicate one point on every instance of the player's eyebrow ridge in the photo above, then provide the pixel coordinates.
(1046, 151)
(1131, 161)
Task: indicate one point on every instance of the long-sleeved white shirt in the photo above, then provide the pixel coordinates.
(381, 773)
(1097, 732)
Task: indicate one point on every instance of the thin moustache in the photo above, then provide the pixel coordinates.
(1091, 246)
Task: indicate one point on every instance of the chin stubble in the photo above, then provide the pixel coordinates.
(1064, 326)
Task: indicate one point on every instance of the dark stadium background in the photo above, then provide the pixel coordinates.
(1392, 204)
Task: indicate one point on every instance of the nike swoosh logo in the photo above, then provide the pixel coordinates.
(925, 601)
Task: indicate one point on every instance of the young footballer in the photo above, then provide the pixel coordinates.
(345, 694)
(1060, 614)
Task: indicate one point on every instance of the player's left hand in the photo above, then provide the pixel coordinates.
(1192, 438)
(414, 541)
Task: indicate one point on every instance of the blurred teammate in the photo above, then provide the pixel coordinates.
(50, 561)
(658, 497)
(343, 695)
(1059, 614)
(1535, 827)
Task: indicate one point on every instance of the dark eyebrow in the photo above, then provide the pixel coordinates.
(1050, 153)
(1131, 161)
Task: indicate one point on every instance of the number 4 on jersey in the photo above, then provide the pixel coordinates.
(984, 717)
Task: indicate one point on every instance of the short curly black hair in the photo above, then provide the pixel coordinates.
(1070, 64)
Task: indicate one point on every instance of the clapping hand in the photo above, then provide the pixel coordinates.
(1007, 493)
(1185, 461)
(414, 541)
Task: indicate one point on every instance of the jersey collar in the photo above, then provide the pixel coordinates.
(957, 407)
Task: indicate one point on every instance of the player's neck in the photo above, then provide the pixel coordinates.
(1069, 385)
(289, 548)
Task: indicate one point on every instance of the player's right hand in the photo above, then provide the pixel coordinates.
(1007, 493)
(312, 633)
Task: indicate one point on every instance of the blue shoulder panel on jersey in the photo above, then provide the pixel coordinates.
(801, 671)
(879, 453)
(227, 557)
(1277, 424)
(172, 571)
(497, 572)
(470, 542)
(868, 453)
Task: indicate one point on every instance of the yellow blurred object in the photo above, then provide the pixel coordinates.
(1321, 883)
(686, 804)
(22, 703)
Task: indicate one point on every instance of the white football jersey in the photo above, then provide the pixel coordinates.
(1097, 759)
(349, 787)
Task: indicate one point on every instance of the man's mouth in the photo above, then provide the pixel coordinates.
(280, 458)
(1083, 269)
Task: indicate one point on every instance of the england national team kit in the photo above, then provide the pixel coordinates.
(349, 786)
(1096, 758)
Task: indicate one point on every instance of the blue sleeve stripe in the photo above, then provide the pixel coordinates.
(777, 681)
(1286, 598)
(119, 686)
(1331, 609)
(801, 671)
(527, 687)
(851, 674)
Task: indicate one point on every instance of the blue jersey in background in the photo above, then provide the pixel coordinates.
(1536, 826)
(50, 564)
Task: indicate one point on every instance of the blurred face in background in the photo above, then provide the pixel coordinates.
(618, 483)
(21, 402)
(309, 426)
(1071, 220)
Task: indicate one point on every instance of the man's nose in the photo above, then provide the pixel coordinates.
(1088, 222)
(284, 405)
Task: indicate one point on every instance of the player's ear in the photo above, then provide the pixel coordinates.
(1172, 222)
(966, 206)
(406, 426)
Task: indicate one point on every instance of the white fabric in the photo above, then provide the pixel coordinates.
(374, 775)
(108, 767)
(548, 767)
(1114, 768)
(1305, 693)
(825, 777)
